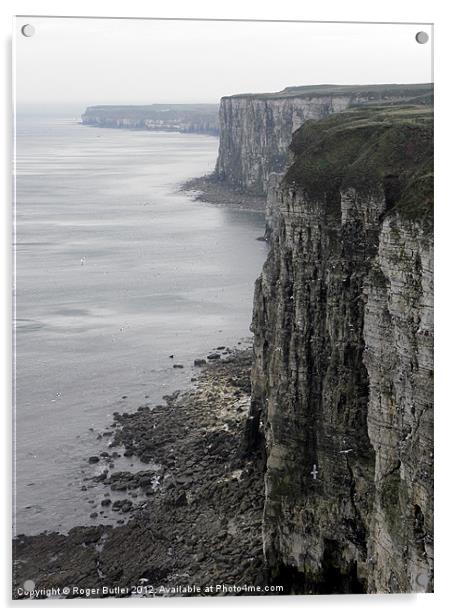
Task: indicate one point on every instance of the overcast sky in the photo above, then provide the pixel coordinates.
(102, 61)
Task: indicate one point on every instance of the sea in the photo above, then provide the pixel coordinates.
(118, 276)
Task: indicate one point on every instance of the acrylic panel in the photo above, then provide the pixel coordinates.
(223, 302)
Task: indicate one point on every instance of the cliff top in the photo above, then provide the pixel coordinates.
(369, 149)
(149, 111)
(377, 91)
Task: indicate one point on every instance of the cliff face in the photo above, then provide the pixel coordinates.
(202, 118)
(398, 332)
(342, 376)
(256, 129)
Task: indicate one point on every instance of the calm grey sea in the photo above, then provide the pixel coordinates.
(115, 271)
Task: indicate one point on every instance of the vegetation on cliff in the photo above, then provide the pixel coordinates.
(342, 380)
(375, 91)
(257, 129)
(372, 149)
(167, 111)
(195, 118)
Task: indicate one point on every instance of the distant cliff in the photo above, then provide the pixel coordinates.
(342, 382)
(256, 129)
(202, 118)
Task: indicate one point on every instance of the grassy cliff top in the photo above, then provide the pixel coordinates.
(371, 149)
(375, 91)
(151, 111)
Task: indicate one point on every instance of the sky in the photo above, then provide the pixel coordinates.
(82, 61)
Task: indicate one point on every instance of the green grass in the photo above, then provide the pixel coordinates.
(156, 111)
(376, 91)
(372, 149)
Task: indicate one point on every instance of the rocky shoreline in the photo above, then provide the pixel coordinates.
(209, 190)
(198, 529)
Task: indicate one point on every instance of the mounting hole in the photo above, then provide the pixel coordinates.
(29, 585)
(422, 37)
(28, 30)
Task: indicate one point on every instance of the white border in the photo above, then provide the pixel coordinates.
(413, 11)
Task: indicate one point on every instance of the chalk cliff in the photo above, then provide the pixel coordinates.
(201, 118)
(256, 129)
(342, 381)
